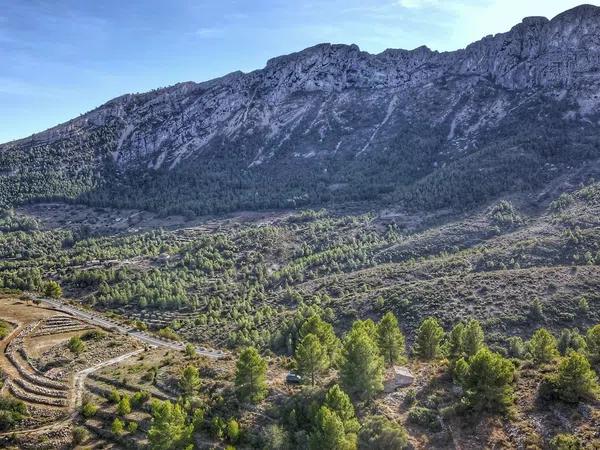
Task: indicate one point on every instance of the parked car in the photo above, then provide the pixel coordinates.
(293, 378)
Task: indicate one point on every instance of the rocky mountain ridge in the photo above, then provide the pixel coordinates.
(331, 107)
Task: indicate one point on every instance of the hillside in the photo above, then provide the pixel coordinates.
(510, 113)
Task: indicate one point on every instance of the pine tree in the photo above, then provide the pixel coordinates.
(311, 358)
(339, 402)
(362, 367)
(325, 334)
(542, 346)
(190, 380)
(488, 381)
(169, 430)
(117, 426)
(124, 406)
(52, 289)
(592, 339)
(390, 339)
(576, 379)
(429, 337)
(473, 338)
(250, 377)
(329, 432)
(456, 341)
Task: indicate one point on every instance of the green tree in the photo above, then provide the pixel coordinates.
(488, 380)
(311, 357)
(380, 433)
(76, 345)
(124, 406)
(190, 350)
(473, 339)
(275, 437)
(339, 402)
(250, 377)
(456, 342)
(324, 332)
(114, 396)
(190, 381)
(362, 367)
(536, 311)
(592, 338)
(542, 346)
(169, 429)
(329, 432)
(390, 339)
(576, 379)
(198, 418)
(233, 430)
(117, 427)
(516, 347)
(429, 337)
(52, 289)
(88, 409)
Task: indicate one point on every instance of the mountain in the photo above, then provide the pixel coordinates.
(512, 112)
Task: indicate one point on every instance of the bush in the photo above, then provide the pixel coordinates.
(89, 409)
(565, 442)
(379, 432)
(114, 396)
(92, 335)
(233, 430)
(12, 411)
(274, 437)
(76, 345)
(424, 417)
(117, 427)
(79, 435)
(132, 427)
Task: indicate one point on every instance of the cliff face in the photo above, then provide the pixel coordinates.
(337, 103)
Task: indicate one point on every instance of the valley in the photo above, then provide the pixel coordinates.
(255, 279)
(341, 250)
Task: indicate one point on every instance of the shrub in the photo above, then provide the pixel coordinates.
(79, 435)
(424, 417)
(114, 396)
(124, 406)
(379, 432)
(233, 430)
(565, 442)
(12, 411)
(89, 409)
(76, 345)
(117, 427)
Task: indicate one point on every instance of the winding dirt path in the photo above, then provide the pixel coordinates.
(79, 378)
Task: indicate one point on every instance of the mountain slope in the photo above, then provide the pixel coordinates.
(508, 113)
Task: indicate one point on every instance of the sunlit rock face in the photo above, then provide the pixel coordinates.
(337, 103)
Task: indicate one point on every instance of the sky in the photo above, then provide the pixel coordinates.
(62, 58)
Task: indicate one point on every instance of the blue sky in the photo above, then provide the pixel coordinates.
(61, 58)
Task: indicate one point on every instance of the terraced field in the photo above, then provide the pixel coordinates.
(51, 397)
